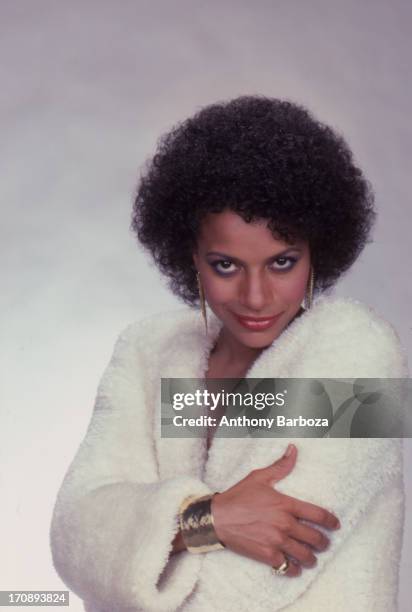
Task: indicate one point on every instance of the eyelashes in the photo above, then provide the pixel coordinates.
(223, 272)
(219, 265)
(290, 260)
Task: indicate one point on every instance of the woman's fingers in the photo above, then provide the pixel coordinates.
(309, 535)
(300, 552)
(294, 569)
(313, 513)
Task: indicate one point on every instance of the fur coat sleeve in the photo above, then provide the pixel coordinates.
(114, 520)
(116, 512)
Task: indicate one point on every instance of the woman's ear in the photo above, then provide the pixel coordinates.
(195, 259)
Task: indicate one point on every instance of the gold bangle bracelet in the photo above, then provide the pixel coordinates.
(196, 525)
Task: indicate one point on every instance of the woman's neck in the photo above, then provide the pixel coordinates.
(231, 351)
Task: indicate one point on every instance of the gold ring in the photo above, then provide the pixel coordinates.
(282, 569)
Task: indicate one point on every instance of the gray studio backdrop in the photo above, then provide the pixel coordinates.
(86, 89)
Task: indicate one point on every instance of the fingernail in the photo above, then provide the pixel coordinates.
(337, 526)
(289, 450)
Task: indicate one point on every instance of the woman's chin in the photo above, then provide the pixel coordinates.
(257, 340)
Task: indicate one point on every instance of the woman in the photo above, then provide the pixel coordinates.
(250, 208)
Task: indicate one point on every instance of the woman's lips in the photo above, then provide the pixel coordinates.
(257, 324)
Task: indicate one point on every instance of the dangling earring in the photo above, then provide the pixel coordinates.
(309, 292)
(202, 301)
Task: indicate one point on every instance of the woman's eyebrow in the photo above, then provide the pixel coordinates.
(236, 259)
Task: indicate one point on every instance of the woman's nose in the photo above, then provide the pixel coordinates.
(255, 292)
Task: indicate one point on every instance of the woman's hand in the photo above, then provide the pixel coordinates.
(253, 519)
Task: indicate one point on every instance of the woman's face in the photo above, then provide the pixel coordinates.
(246, 272)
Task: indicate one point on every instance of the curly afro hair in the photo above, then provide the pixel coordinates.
(263, 158)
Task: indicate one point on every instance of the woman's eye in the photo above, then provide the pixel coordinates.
(223, 266)
(284, 263)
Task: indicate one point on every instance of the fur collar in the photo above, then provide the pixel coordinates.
(336, 338)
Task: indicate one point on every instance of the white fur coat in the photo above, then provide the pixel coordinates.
(116, 512)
